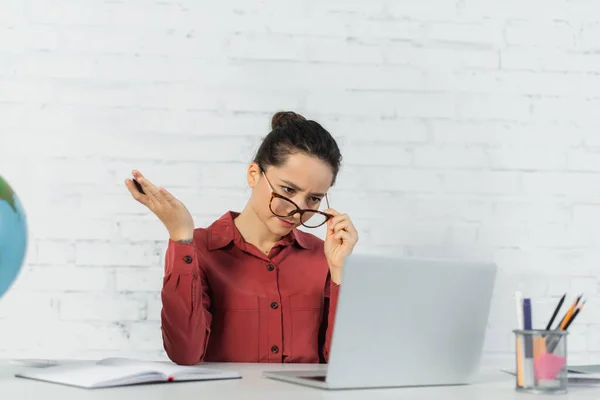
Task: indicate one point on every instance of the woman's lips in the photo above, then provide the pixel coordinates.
(286, 223)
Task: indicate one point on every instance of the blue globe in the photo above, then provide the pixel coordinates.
(13, 236)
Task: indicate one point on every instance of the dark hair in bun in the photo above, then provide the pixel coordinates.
(283, 118)
(292, 133)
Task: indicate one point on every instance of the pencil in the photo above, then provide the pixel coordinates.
(566, 318)
(556, 310)
(554, 341)
(574, 315)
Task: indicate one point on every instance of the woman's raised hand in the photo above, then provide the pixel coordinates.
(172, 213)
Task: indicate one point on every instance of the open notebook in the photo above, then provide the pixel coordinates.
(110, 372)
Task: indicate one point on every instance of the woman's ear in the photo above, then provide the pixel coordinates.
(253, 175)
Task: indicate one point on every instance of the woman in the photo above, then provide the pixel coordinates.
(251, 287)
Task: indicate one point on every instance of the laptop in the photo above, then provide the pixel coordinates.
(405, 322)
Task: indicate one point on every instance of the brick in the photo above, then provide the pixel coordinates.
(384, 28)
(139, 230)
(433, 58)
(586, 213)
(225, 175)
(63, 12)
(58, 228)
(449, 157)
(153, 308)
(397, 130)
(19, 305)
(138, 279)
(572, 62)
(341, 7)
(503, 235)
(53, 65)
(485, 182)
(522, 59)
(485, 34)
(359, 204)
(572, 184)
(20, 90)
(451, 209)
(586, 285)
(400, 180)
(13, 13)
(100, 307)
(268, 47)
(101, 253)
(561, 235)
(13, 119)
(365, 154)
(445, 10)
(56, 279)
(527, 158)
(504, 107)
(557, 34)
(54, 252)
(350, 50)
(539, 10)
(146, 336)
(529, 212)
(522, 83)
(370, 103)
(422, 234)
(584, 160)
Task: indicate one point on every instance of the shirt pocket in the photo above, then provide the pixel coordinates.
(235, 329)
(307, 314)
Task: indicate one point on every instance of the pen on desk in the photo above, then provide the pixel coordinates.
(556, 310)
(528, 361)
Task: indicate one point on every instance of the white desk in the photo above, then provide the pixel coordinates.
(492, 385)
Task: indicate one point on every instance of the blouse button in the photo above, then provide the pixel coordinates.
(187, 259)
(275, 349)
(274, 305)
(270, 267)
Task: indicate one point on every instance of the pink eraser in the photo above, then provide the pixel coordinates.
(547, 366)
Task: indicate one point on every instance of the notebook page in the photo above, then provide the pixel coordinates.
(165, 369)
(168, 369)
(89, 375)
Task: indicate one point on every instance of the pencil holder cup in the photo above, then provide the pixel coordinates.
(541, 361)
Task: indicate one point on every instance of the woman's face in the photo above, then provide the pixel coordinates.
(302, 179)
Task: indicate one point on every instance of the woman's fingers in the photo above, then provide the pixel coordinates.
(167, 196)
(136, 194)
(343, 235)
(149, 188)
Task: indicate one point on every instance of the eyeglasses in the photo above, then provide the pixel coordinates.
(283, 207)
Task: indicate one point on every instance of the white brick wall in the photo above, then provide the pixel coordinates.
(469, 128)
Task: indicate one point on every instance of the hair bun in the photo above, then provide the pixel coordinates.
(283, 118)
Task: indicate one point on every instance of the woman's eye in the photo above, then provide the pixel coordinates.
(315, 199)
(288, 190)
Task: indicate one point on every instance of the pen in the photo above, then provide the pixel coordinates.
(519, 305)
(556, 310)
(528, 361)
(138, 186)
